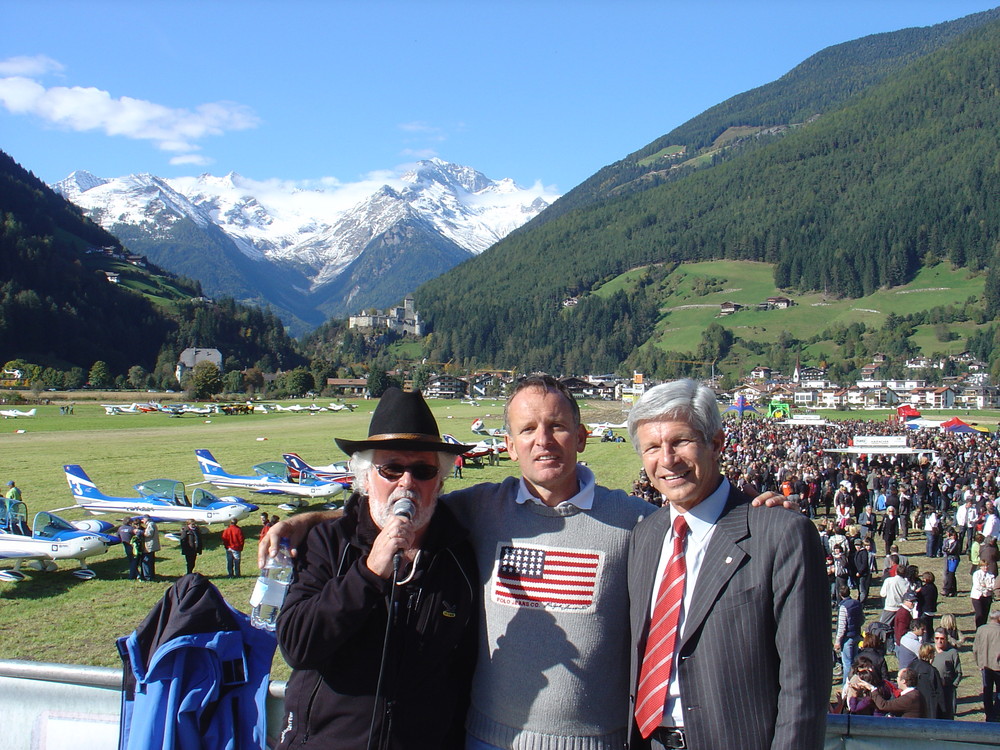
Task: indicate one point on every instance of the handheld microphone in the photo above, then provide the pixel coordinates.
(404, 508)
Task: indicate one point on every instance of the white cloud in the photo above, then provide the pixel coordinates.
(30, 66)
(196, 159)
(418, 130)
(82, 109)
(419, 153)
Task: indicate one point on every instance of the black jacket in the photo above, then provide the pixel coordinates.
(332, 627)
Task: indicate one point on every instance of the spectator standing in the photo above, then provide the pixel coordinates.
(981, 593)
(928, 682)
(125, 532)
(850, 618)
(13, 491)
(864, 561)
(949, 666)
(908, 644)
(139, 548)
(151, 540)
(233, 541)
(190, 544)
(952, 556)
(986, 650)
(927, 599)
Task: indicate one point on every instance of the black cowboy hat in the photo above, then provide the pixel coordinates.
(402, 421)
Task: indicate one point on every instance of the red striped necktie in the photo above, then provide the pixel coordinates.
(654, 678)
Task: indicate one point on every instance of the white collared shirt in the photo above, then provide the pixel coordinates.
(583, 499)
(701, 521)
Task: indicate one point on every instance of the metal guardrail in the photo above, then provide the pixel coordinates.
(54, 706)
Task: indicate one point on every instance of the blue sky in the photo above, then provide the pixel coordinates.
(333, 92)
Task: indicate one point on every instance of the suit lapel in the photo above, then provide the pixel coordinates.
(722, 559)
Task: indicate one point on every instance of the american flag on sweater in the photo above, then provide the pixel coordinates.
(546, 577)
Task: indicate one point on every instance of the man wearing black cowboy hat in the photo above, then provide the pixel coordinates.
(363, 679)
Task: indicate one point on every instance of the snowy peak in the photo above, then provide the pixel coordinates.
(315, 231)
(452, 177)
(78, 182)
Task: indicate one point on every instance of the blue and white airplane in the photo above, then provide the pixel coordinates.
(51, 539)
(271, 478)
(163, 500)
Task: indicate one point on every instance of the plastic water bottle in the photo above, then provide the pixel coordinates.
(270, 589)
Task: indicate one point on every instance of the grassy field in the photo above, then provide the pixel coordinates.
(56, 618)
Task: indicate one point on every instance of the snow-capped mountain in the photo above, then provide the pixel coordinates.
(287, 245)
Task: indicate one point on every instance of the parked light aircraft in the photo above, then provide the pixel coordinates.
(335, 472)
(604, 431)
(480, 429)
(271, 478)
(15, 413)
(52, 539)
(341, 407)
(162, 500)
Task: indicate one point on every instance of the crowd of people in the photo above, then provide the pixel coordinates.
(864, 506)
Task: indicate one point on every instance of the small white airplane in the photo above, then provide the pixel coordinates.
(52, 539)
(470, 402)
(482, 449)
(480, 429)
(15, 413)
(342, 407)
(604, 431)
(271, 478)
(163, 500)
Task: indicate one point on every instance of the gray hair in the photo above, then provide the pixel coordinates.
(362, 462)
(686, 400)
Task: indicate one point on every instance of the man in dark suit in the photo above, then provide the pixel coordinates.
(729, 612)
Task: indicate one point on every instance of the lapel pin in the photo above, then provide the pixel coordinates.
(728, 560)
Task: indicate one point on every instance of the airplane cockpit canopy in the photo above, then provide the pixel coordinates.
(13, 516)
(170, 490)
(48, 525)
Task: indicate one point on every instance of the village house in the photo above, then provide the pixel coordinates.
(446, 386)
(348, 386)
(192, 356)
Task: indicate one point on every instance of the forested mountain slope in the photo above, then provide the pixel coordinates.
(853, 201)
(59, 310)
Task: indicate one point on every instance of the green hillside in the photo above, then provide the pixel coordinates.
(857, 201)
(60, 313)
(691, 297)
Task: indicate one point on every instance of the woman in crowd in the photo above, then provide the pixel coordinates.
(927, 599)
(981, 593)
(951, 560)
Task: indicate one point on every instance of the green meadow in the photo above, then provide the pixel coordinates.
(693, 293)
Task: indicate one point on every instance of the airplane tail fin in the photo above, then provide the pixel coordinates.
(81, 485)
(209, 466)
(30, 412)
(294, 461)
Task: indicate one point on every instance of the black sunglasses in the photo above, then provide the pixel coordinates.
(420, 472)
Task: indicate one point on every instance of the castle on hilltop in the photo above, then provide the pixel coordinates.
(403, 319)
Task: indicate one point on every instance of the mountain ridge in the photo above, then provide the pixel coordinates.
(295, 242)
